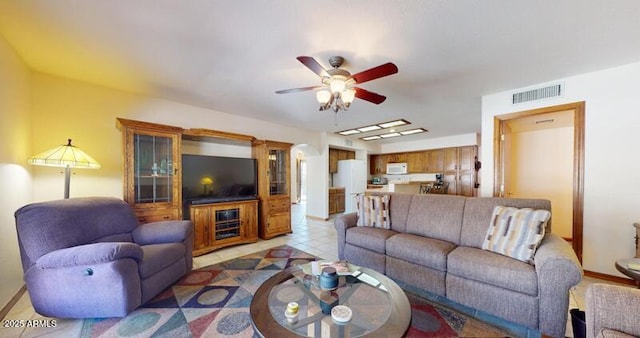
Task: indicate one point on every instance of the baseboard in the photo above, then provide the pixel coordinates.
(5, 310)
(317, 218)
(610, 278)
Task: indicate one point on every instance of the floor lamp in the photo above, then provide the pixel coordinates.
(66, 156)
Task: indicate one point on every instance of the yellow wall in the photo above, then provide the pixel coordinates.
(15, 176)
(542, 167)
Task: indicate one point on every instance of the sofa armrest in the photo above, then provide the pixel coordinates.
(89, 254)
(163, 232)
(612, 307)
(342, 223)
(558, 270)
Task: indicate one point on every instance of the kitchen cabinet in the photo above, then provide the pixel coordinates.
(378, 164)
(336, 200)
(273, 187)
(218, 225)
(460, 170)
(417, 162)
(434, 161)
(396, 158)
(333, 160)
(336, 155)
(151, 162)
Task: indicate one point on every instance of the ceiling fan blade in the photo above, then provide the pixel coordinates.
(375, 73)
(293, 90)
(369, 96)
(312, 64)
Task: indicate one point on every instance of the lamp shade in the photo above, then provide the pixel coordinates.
(65, 156)
(323, 96)
(348, 95)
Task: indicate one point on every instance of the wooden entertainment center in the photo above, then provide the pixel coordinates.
(151, 160)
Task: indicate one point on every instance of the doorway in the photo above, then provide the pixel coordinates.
(540, 154)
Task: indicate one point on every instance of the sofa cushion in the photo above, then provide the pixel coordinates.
(420, 250)
(494, 269)
(373, 211)
(369, 238)
(157, 257)
(516, 233)
(398, 208)
(436, 216)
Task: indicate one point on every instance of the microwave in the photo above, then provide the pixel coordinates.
(396, 168)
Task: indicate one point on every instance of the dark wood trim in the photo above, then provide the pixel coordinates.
(609, 278)
(12, 302)
(209, 135)
(578, 177)
(497, 156)
(578, 161)
(121, 123)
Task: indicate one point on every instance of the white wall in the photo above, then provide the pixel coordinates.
(612, 167)
(434, 143)
(15, 173)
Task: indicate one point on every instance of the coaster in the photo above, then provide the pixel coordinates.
(341, 313)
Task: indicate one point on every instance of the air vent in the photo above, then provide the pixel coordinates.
(537, 94)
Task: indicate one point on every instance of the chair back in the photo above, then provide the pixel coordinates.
(47, 226)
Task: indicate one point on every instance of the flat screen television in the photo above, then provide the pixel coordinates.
(211, 179)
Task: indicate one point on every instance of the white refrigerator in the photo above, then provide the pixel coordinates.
(352, 175)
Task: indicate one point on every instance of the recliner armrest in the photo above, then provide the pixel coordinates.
(612, 307)
(342, 223)
(558, 270)
(90, 254)
(163, 232)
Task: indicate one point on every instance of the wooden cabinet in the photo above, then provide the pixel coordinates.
(434, 160)
(459, 170)
(151, 163)
(416, 162)
(336, 155)
(396, 158)
(219, 225)
(333, 160)
(378, 164)
(273, 187)
(336, 200)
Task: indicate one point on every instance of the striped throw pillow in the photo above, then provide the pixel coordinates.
(516, 233)
(373, 211)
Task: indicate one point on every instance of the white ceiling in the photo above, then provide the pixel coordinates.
(231, 55)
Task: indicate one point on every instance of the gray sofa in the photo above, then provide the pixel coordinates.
(435, 244)
(612, 311)
(89, 257)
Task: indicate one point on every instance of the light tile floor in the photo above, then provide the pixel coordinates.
(313, 236)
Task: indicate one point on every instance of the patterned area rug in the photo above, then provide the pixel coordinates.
(214, 302)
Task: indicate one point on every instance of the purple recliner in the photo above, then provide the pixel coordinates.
(89, 257)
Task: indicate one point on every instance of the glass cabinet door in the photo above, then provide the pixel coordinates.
(153, 168)
(277, 172)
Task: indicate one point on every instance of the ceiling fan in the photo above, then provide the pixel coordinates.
(338, 88)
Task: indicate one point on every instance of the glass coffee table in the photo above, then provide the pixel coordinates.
(379, 307)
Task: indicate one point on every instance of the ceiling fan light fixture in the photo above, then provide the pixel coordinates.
(337, 91)
(323, 96)
(338, 84)
(348, 95)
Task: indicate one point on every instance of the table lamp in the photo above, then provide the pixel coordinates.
(66, 156)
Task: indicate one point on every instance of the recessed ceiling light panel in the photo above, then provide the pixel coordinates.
(413, 131)
(369, 128)
(349, 132)
(393, 123)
